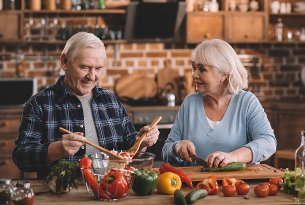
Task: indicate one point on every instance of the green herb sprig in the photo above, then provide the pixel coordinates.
(67, 175)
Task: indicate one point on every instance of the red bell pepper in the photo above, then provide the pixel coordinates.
(165, 167)
(115, 183)
(210, 184)
(85, 165)
(229, 181)
(94, 185)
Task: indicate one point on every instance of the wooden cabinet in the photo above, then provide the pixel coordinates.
(236, 26)
(202, 26)
(56, 26)
(245, 27)
(9, 31)
(9, 124)
(288, 121)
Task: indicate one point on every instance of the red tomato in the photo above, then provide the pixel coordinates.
(262, 190)
(276, 181)
(273, 189)
(242, 188)
(85, 163)
(265, 183)
(210, 184)
(229, 190)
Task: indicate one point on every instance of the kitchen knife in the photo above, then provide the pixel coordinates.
(199, 161)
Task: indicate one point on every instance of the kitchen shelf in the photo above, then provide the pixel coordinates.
(10, 12)
(207, 13)
(106, 11)
(287, 15)
(22, 41)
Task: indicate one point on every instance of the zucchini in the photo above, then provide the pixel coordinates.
(194, 195)
(179, 197)
(229, 167)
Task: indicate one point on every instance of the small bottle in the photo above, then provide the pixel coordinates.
(300, 169)
(101, 4)
(171, 99)
(6, 190)
(12, 4)
(66, 5)
(23, 195)
(279, 30)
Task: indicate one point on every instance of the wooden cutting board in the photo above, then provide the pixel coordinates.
(168, 79)
(136, 85)
(258, 171)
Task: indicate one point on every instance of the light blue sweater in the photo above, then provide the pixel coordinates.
(245, 123)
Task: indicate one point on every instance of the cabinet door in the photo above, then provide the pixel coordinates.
(288, 128)
(9, 25)
(243, 27)
(9, 126)
(7, 147)
(8, 169)
(200, 26)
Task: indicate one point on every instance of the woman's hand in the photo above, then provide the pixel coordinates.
(151, 137)
(184, 150)
(220, 159)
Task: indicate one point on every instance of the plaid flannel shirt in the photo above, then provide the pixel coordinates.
(56, 107)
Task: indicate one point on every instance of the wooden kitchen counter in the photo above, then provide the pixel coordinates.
(80, 197)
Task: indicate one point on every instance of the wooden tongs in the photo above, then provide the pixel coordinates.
(102, 149)
(135, 148)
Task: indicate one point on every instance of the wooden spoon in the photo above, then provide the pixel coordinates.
(135, 148)
(102, 149)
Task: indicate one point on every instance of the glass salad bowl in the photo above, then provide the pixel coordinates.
(108, 179)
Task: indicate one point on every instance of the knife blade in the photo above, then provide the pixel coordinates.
(199, 161)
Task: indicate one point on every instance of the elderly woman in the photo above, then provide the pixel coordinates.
(221, 122)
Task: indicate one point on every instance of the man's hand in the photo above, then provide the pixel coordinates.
(67, 146)
(151, 137)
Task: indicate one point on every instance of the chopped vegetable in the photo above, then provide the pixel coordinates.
(229, 167)
(210, 184)
(289, 182)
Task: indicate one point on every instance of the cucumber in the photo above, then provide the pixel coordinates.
(179, 197)
(229, 167)
(194, 195)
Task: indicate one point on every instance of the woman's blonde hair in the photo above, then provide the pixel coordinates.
(220, 55)
(79, 41)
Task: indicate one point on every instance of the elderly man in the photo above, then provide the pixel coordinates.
(75, 103)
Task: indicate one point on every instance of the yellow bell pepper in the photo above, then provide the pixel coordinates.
(168, 183)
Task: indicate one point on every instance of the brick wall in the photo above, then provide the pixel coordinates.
(280, 78)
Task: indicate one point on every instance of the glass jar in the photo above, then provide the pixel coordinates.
(23, 194)
(6, 190)
(300, 169)
(279, 30)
